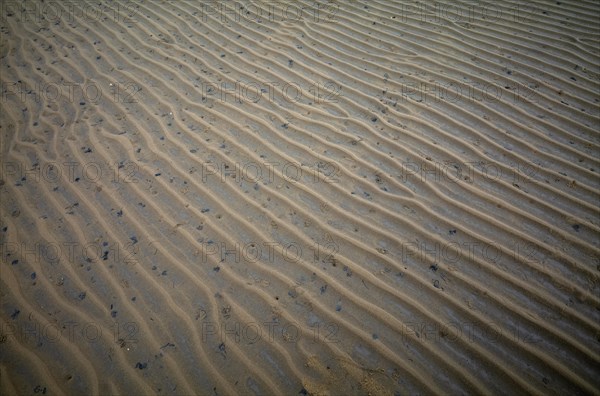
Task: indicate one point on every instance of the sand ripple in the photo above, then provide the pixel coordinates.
(381, 197)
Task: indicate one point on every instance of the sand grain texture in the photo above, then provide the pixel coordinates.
(368, 198)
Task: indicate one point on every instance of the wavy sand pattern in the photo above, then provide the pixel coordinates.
(382, 197)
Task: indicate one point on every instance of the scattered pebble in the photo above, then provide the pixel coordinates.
(223, 350)
(338, 306)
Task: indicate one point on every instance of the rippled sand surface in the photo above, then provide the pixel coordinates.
(359, 197)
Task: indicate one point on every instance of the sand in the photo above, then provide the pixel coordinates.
(382, 197)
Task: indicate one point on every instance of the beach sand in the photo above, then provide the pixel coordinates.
(360, 197)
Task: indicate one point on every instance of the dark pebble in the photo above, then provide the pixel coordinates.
(39, 389)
